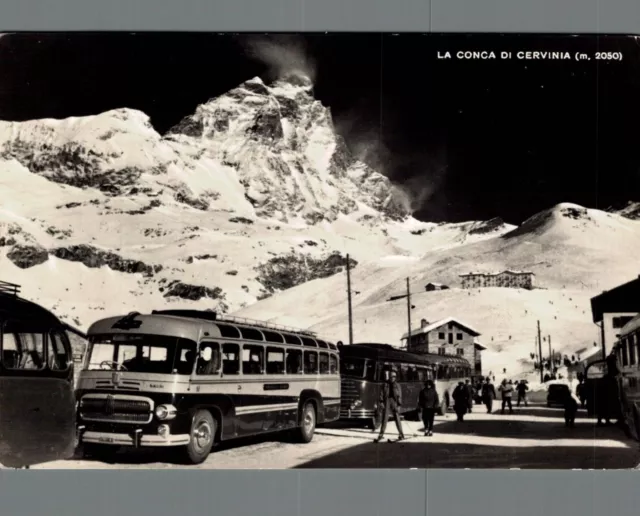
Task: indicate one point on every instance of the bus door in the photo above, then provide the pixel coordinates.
(37, 403)
(411, 387)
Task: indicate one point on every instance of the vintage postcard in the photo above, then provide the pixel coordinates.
(341, 250)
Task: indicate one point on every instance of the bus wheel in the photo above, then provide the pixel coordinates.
(202, 435)
(307, 423)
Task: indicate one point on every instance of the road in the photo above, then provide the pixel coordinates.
(533, 437)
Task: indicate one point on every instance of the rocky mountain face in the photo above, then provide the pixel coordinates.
(252, 194)
(266, 151)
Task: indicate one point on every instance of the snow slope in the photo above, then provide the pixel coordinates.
(574, 252)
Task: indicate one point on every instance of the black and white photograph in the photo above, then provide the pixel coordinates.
(319, 250)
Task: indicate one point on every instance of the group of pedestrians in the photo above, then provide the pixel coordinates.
(464, 396)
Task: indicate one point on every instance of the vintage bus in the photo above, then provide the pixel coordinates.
(364, 367)
(627, 362)
(37, 404)
(189, 379)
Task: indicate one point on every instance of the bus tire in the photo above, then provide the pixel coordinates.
(201, 437)
(307, 423)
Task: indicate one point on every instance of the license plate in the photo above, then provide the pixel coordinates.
(105, 439)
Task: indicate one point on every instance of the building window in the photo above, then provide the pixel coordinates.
(441, 335)
(451, 326)
(441, 351)
(451, 338)
(619, 322)
(460, 352)
(459, 336)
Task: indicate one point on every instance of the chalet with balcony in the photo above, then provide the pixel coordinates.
(447, 336)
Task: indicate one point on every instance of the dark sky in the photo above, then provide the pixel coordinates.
(473, 139)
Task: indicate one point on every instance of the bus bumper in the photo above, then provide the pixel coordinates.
(130, 440)
(357, 414)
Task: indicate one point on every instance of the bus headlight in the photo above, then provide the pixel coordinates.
(165, 412)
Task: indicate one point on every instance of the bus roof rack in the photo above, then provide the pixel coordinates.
(10, 289)
(210, 315)
(266, 325)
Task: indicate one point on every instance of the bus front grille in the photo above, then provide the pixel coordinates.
(349, 393)
(112, 408)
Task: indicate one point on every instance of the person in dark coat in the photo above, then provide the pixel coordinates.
(428, 403)
(488, 395)
(521, 389)
(570, 409)
(472, 394)
(581, 391)
(391, 403)
(460, 400)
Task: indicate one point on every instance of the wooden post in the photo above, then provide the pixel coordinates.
(349, 300)
(540, 352)
(408, 314)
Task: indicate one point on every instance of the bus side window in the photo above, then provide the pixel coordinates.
(310, 362)
(294, 361)
(58, 352)
(324, 363)
(632, 349)
(22, 350)
(333, 364)
(208, 359)
(252, 359)
(230, 359)
(275, 361)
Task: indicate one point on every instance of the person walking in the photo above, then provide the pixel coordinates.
(391, 403)
(472, 395)
(428, 404)
(460, 400)
(570, 408)
(506, 390)
(488, 395)
(521, 389)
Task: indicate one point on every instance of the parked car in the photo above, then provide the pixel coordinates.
(557, 393)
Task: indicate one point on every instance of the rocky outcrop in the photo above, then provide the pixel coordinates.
(94, 258)
(26, 256)
(287, 271)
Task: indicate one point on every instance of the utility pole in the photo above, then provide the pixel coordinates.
(550, 353)
(349, 300)
(540, 353)
(408, 314)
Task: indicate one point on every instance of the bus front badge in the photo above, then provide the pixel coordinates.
(115, 379)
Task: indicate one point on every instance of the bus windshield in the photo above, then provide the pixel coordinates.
(357, 368)
(141, 354)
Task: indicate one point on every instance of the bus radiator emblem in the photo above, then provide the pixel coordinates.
(115, 379)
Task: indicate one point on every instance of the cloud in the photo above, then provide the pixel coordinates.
(282, 54)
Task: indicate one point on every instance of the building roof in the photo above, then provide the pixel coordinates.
(507, 271)
(435, 284)
(479, 346)
(439, 323)
(623, 298)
